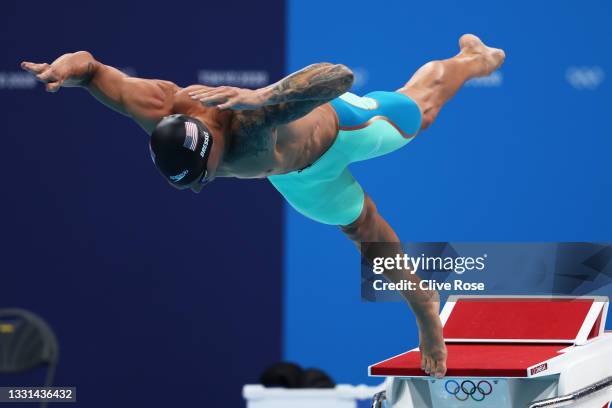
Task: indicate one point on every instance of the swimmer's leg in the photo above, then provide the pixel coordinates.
(436, 82)
(371, 227)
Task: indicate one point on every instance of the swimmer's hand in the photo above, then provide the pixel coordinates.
(69, 70)
(229, 97)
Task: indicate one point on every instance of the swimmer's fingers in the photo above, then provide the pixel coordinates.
(42, 72)
(34, 68)
(240, 102)
(233, 103)
(202, 92)
(52, 80)
(47, 76)
(214, 100)
(54, 86)
(224, 98)
(229, 97)
(217, 97)
(31, 67)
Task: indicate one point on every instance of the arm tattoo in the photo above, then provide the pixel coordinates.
(301, 92)
(289, 99)
(316, 82)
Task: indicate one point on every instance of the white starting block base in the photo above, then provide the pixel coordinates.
(499, 392)
(505, 392)
(342, 396)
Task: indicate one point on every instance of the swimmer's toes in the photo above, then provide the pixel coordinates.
(426, 364)
(470, 41)
(440, 370)
(493, 58)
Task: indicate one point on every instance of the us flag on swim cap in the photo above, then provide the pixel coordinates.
(191, 136)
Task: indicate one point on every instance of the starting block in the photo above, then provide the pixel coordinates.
(510, 351)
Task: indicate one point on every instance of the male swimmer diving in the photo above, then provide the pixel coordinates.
(301, 133)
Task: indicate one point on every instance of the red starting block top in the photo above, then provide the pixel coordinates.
(504, 336)
(474, 360)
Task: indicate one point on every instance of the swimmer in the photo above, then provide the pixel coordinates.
(300, 133)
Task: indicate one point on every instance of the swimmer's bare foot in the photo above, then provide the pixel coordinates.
(431, 345)
(489, 58)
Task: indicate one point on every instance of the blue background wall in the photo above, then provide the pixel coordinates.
(158, 297)
(523, 156)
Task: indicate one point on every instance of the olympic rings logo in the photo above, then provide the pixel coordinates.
(469, 389)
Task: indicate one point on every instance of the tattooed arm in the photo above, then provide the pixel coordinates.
(144, 100)
(318, 82)
(287, 100)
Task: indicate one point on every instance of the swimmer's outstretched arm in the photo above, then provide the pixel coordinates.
(287, 100)
(144, 100)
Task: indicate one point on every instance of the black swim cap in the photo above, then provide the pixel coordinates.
(180, 146)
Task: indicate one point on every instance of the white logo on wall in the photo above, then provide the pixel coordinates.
(17, 80)
(249, 79)
(585, 78)
(495, 80)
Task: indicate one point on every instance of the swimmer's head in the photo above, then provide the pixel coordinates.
(180, 147)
